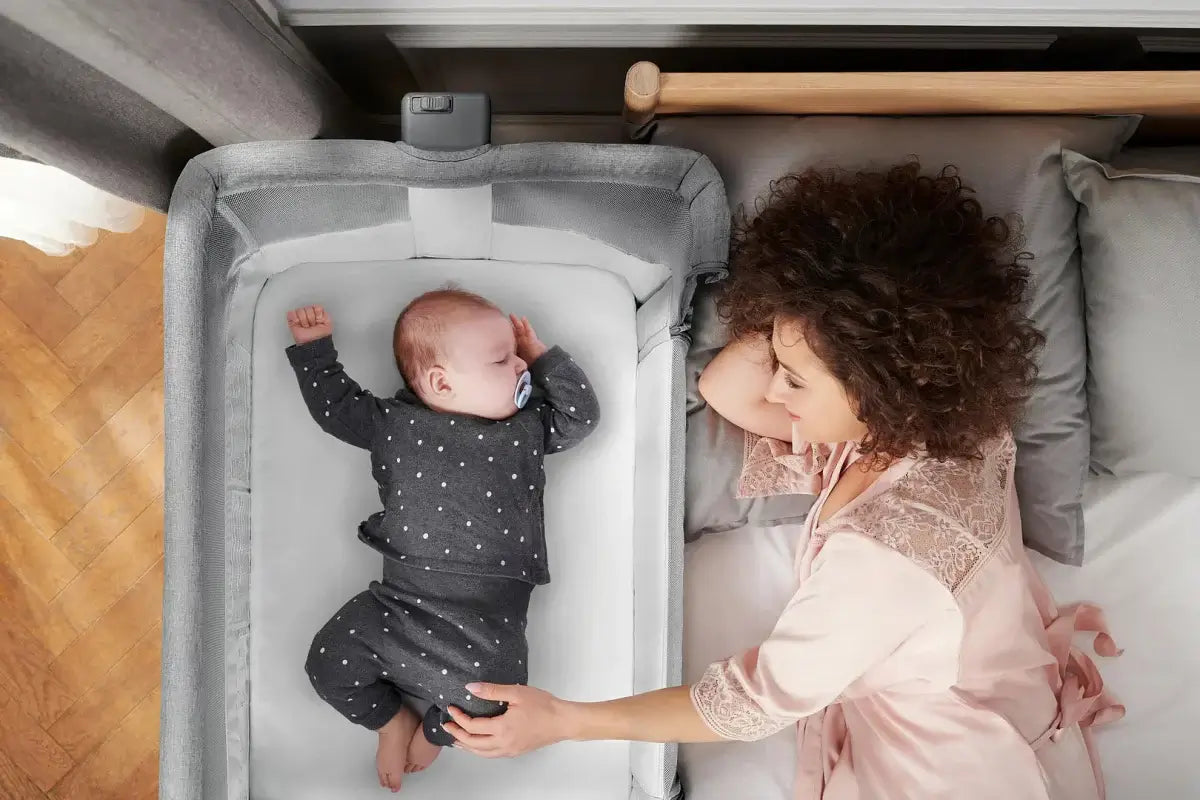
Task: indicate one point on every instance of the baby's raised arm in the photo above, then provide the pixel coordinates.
(572, 410)
(735, 384)
(339, 405)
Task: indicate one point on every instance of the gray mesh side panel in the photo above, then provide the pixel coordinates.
(192, 732)
(675, 508)
(275, 213)
(213, 519)
(638, 793)
(645, 221)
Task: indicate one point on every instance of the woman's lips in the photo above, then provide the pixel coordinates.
(794, 417)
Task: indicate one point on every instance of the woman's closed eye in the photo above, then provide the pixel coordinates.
(791, 382)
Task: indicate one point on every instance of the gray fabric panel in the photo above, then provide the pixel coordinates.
(256, 164)
(61, 111)
(676, 503)
(262, 174)
(275, 213)
(1140, 234)
(1013, 164)
(8, 152)
(650, 218)
(636, 792)
(123, 93)
(222, 211)
(183, 750)
(217, 66)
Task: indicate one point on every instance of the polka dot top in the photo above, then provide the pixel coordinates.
(460, 494)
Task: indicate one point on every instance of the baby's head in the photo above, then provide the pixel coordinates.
(457, 352)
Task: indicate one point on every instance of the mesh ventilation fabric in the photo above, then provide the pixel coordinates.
(646, 221)
(277, 213)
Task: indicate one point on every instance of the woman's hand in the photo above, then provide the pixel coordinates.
(534, 719)
(309, 323)
(529, 346)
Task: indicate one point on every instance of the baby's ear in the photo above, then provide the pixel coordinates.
(437, 382)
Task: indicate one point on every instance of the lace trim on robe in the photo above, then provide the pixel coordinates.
(946, 516)
(726, 708)
(773, 467)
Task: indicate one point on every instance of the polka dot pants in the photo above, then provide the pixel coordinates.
(425, 635)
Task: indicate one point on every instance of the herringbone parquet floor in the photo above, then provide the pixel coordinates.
(81, 483)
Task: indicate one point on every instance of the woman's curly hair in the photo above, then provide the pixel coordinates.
(905, 289)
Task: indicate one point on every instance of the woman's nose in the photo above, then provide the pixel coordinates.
(773, 393)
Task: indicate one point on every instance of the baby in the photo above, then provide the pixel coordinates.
(458, 459)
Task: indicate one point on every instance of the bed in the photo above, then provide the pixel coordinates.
(1139, 567)
(1014, 137)
(602, 247)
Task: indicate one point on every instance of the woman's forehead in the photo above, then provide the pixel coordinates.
(787, 338)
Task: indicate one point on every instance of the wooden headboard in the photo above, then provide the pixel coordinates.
(1170, 99)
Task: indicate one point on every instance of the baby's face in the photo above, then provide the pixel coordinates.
(482, 365)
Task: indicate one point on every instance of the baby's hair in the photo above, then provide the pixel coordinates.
(420, 327)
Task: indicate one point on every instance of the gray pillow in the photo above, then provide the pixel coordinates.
(1140, 234)
(714, 447)
(1014, 165)
(1184, 160)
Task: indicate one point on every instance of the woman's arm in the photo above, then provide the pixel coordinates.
(535, 719)
(735, 384)
(665, 715)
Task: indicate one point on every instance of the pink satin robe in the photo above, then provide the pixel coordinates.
(921, 656)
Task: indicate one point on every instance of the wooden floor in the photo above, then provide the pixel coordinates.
(81, 481)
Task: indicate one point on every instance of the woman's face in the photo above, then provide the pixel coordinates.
(820, 409)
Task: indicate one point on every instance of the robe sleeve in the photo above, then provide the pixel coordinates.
(860, 603)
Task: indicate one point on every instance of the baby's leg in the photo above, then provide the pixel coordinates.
(345, 668)
(499, 654)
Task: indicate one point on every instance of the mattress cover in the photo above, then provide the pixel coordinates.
(306, 559)
(1143, 555)
(602, 247)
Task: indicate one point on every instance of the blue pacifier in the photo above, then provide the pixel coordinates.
(523, 390)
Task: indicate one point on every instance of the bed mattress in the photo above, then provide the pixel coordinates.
(1143, 555)
(601, 247)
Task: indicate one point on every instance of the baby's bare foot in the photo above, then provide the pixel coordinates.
(392, 755)
(421, 752)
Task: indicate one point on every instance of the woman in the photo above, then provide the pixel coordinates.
(920, 655)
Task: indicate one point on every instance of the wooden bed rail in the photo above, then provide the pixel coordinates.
(650, 93)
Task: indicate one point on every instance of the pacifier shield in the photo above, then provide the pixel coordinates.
(523, 390)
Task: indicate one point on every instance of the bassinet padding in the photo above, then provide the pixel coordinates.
(603, 246)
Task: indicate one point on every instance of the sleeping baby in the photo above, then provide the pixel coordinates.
(458, 459)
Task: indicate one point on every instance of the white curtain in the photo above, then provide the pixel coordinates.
(56, 212)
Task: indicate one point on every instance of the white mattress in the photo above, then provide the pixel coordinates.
(310, 491)
(1143, 557)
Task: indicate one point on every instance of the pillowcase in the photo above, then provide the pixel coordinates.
(1014, 165)
(1184, 160)
(1140, 234)
(715, 445)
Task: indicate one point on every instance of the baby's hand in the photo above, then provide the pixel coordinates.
(529, 346)
(309, 323)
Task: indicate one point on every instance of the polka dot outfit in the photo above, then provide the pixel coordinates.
(460, 494)
(425, 638)
(461, 532)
